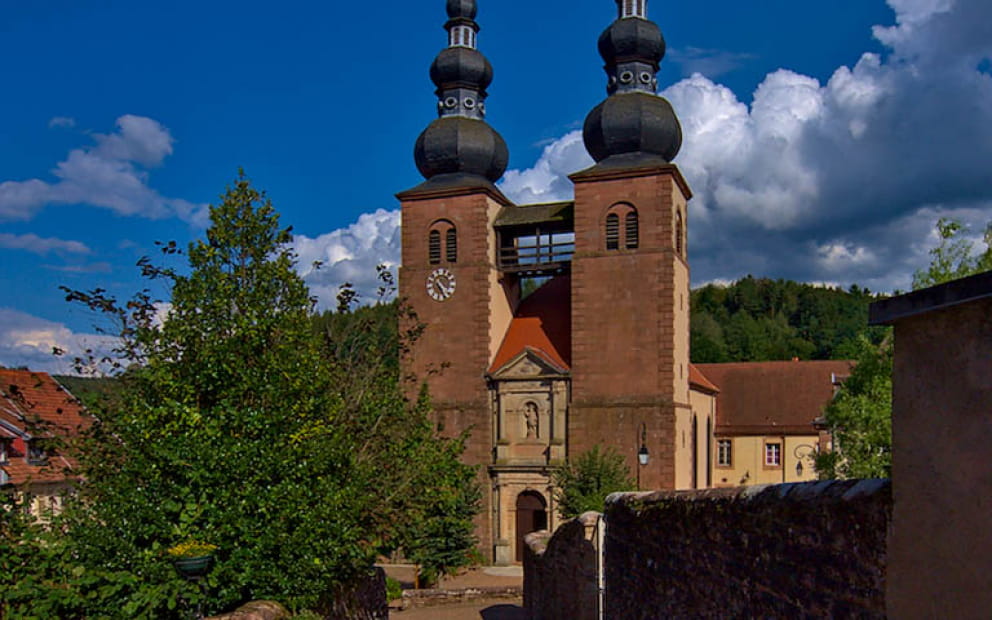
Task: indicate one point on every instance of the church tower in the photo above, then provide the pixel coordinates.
(597, 349)
(630, 293)
(448, 275)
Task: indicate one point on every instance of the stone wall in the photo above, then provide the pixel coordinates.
(560, 572)
(806, 549)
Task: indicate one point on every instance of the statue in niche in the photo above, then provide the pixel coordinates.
(531, 419)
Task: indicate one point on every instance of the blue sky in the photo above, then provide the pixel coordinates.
(822, 139)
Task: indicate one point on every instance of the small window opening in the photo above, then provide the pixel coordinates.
(612, 231)
(678, 234)
(632, 234)
(434, 246)
(451, 246)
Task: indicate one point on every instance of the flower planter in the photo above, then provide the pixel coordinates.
(193, 568)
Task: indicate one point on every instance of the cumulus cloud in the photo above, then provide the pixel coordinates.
(27, 340)
(112, 174)
(350, 255)
(837, 182)
(41, 245)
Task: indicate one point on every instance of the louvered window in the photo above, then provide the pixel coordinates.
(434, 246)
(451, 246)
(631, 230)
(612, 231)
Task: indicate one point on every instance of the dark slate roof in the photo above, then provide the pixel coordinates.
(972, 288)
(558, 212)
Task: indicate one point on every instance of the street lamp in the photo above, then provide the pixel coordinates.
(642, 453)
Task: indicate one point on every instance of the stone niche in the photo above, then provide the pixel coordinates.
(530, 401)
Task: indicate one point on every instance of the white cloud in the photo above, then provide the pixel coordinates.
(709, 62)
(548, 180)
(62, 122)
(41, 245)
(350, 255)
(837, 182)
(112, 175)
(27, 340)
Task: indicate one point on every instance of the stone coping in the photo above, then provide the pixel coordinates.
(431, 598)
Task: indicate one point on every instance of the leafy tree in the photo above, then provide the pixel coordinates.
(955, 257)
(236, 424)
(583, 484)
(860, 418)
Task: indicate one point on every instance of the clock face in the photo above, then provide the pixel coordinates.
(441, 284)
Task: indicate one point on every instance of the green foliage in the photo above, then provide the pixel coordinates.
(583, 484)
(860, 419)
(760, 319)
(242, 422)
(955, 257)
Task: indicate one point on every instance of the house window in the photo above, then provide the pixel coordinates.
(773, 454)
(724, 453)
(612, 231)
(37, 455)
(3, 451)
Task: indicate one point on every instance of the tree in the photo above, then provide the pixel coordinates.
(860, 418)
(235, 424)
(583, 484)
(955, 257)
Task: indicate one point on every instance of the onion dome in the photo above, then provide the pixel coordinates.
(462, 8)
(633, 118)
(460, 141)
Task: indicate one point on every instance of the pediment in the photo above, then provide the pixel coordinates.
(527, 364)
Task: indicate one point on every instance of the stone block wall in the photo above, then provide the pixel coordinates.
(790, 550)
(560, 572)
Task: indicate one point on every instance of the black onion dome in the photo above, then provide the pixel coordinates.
(456, 144)
(632, 123)
(462, 8)
(461, 65)
(632, 38)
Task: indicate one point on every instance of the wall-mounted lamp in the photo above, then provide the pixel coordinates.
(642, 453)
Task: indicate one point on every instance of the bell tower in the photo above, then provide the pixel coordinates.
(630, 293)
(448, 274)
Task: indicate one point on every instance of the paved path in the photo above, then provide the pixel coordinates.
(495, 609)
(502, 609)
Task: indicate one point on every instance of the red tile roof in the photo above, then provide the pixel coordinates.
(542, 323)
(37, 406)
(772, 397)
(700, 382)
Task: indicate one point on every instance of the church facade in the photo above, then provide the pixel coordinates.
(598, 354)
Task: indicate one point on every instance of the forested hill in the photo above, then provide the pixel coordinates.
(757, 319)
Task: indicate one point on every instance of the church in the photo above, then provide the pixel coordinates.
(598, 352)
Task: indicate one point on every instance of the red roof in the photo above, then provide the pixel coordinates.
(773, 397)
(37, 406)
(700, 382)
(543, 324)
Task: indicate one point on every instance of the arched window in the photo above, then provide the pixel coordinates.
(434, 246)
(612, 231)
(442, 242)
(631, 230)
(629, 237)
(678, 233)
(451, 245)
